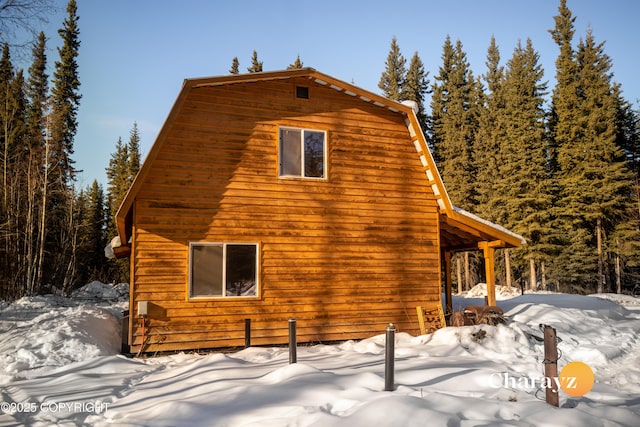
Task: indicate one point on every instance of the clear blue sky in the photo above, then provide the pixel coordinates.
(135, 54)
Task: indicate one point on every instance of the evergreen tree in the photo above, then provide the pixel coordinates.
(6, 98)
(123, 167)
(625, 240)
(37, 89)
(590, 167)
(118, 178)
(487, 154)
(296, 65)
(133, 149)
(523, 183)
(256, 66)
(595, 165)
(394, 75)
(455, 110)
(62, 127)
(415, 87)
(37, 92)
(66, 96)
(91, 236)
(235, 66)
(562, 129)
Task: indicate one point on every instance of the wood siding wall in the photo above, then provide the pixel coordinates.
(345, 256)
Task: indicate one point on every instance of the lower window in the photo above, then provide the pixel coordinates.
(223, 270)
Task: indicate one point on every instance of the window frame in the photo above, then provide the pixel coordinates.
(223, 296)
(325, 169)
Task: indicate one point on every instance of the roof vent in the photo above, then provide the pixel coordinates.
(302, 92)
(412, 104)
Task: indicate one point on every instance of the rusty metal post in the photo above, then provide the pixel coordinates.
(389, 360)
(551, 365)
(247, 333)
(293, 357)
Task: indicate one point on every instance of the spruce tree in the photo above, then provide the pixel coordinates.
(6, 96)
(415, 87)
(297, 64)
(625, 239)
(133, 149)
(65, 96)
(594, 183)
(393, 77)
(455, 108)
(256, 66)
(455, 111)
(37, 92)
(595, 179)
(123, 167)
(487, 154)
(439, 99)
(562, 132)
(117, 178)
(235, 66)
(523, 180)
(62, 127)
(91, 235)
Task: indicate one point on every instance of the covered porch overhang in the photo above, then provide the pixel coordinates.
(462, 231)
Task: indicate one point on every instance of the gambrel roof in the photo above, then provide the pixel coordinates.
(460, 230)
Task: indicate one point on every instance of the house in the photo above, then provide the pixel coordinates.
(290, 194)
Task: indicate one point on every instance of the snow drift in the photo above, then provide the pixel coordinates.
(60, 365)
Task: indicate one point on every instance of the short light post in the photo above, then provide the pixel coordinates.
(389, 360)
(293, 357)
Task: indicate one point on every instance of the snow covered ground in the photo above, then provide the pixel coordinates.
(59, 365)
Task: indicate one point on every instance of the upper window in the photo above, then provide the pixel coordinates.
(302, 153)
(223, 270)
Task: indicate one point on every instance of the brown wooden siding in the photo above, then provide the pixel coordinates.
(345, 256)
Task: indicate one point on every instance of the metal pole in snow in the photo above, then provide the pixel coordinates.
(551, 365)
(293, 358)
(247, 333)
(389, 360)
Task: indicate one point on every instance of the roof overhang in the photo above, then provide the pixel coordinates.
(461, 231)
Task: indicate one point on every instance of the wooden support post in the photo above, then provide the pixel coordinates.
(551, 365)
(490, 271)
(447, 282)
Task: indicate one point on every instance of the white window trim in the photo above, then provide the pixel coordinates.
(224, 271)
(302, 160)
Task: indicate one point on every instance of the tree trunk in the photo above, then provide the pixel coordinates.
(533, 285)
(43, 212)
(600, 261)
(507, 267)
(467, 273)
(618, 270)
(543, 276)
(459, 273)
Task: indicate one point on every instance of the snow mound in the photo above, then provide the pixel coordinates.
(55, 350)
(502, 292)
(45, 332)
(98, 291)
(628, 301)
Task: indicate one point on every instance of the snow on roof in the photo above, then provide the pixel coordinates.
(489, 224)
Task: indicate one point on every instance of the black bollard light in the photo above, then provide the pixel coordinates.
(389, 361)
